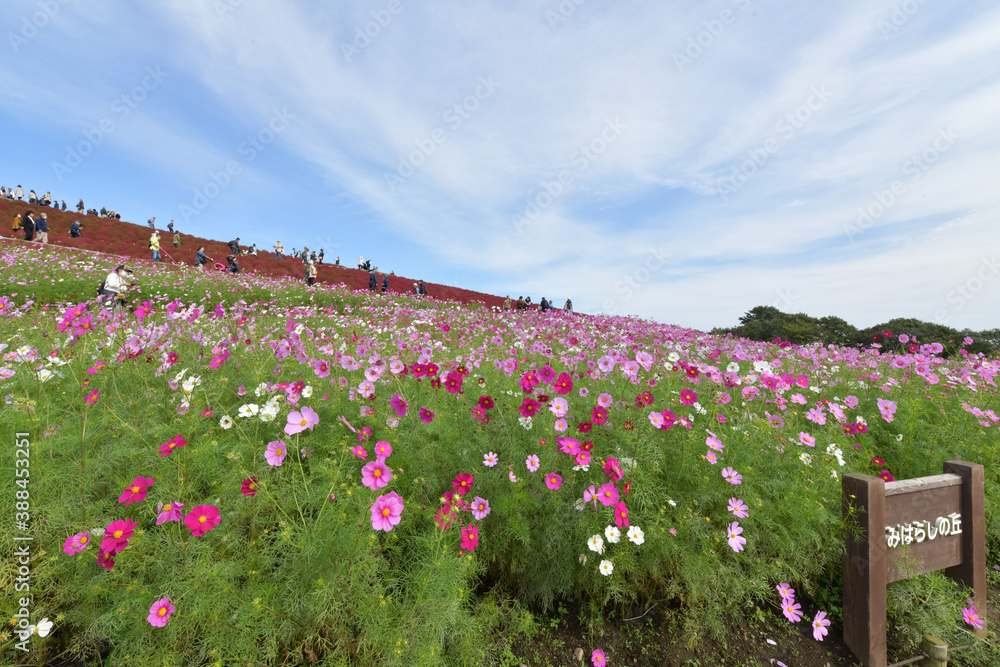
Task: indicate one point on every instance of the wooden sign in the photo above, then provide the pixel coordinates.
(897, 530)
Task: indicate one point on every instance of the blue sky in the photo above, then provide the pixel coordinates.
(678, 161)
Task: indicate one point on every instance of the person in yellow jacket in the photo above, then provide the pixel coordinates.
(154, 246)
(16, 227)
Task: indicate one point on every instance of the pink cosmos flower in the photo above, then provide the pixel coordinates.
(532, 463)
(74, 544)
(462, 483)
(470, 537)
(480, 508)
(583, 459)
(276, 452)
(656, 419)
(399, 405)
(970, 615)
(569, 446)
(553, 481)
(561, 425)
(249, 488)
(851, 401)
(669, 419)
(807, 439)
(738, 508)
(559, 406)
(599, 415)
(386, 511)
(159, 613)
(785, 591)
(597, 658)
(608, 494)
(490, 460)
(613, 470)
(375, 474)
(792, 610)
(169, 512)
(713, 442)
(383, 450)
(106, 559)
(736, 541)
(207, 412)
(300, 420)
(621, 515)
(360, 452)
(711, 458)
(529, 408)
(169, 446)
(820, 625)
(426, 416)
(136, 491)
(202, 519)
(92, 397)
(590, 495)
(688, 397)
(732, 476)
(117, 535)
(605, 400)
(817, 416)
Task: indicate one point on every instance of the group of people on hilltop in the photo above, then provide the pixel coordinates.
(36, 230)
(47, 201)
(524, 303)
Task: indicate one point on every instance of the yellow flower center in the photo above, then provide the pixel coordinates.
(135, 489)
(166, 508)
(385, 512)
(83, 540)
(303, 422)
(278, 452)
(252, 485)
(202, 519)
(119, 533)
(163, 611)
(377, 473)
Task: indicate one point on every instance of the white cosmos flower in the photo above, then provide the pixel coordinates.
(249, 410)
(44, 374)
(613, 534)
(43, 628)
(307, 391)
(596, 544)
(733, 367)
(636, 535)
(607, 567)
(226, 422)
(805, 458)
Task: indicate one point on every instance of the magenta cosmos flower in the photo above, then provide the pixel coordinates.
(399, 405)
(532, 463)
(732, 476)
(792, 610)
(169, 512)
(117, 534)
(971, 616)
(375, 474)
(612, 469)
(738, 508)
(202, 519)
(386, 511)
(106, 559)
(470, 537)
(300, 420)
(608, 494)
(553, 481)
(597, 658)
(172, 444)
(462, 483)
(249, 488)
(92, 397)
(159, 613)
(480, 508)
(74, 544)
(688, 397)
(426, 416)
(276, 452)
(621, 515)
(136, 491)
(383, 450)
(563, 384)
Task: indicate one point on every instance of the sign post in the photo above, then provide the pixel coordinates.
(905, 528)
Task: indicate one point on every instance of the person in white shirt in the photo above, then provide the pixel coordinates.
(116, 284)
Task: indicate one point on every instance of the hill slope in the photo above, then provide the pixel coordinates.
(125, 238)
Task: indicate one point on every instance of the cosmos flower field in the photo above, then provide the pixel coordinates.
(240, 470)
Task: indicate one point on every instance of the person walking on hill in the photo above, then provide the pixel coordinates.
(80, 207)
(232, 264)
(385, 283)
(177, 239)
(568, 308)
(234, 246)
(253, 249)
(423, 288)
(114, 286)
(104, 212)
(200, 258)
(63, 204)
(28, 224)
(278, 249)
(46, 199)
(336, 262)
(520, 303)
(42, 229)
(154, 246)
(506, 303)
(19, 193)
(372, 281)
(170, 227)
(310, 273)
(16, 227)
(75, 229)
(152, 223)
(32, 197)
(320, 257)
(416, 290)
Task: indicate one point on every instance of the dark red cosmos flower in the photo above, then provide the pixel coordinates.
(584, 427)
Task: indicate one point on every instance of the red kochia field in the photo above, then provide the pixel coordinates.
(240, 470)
